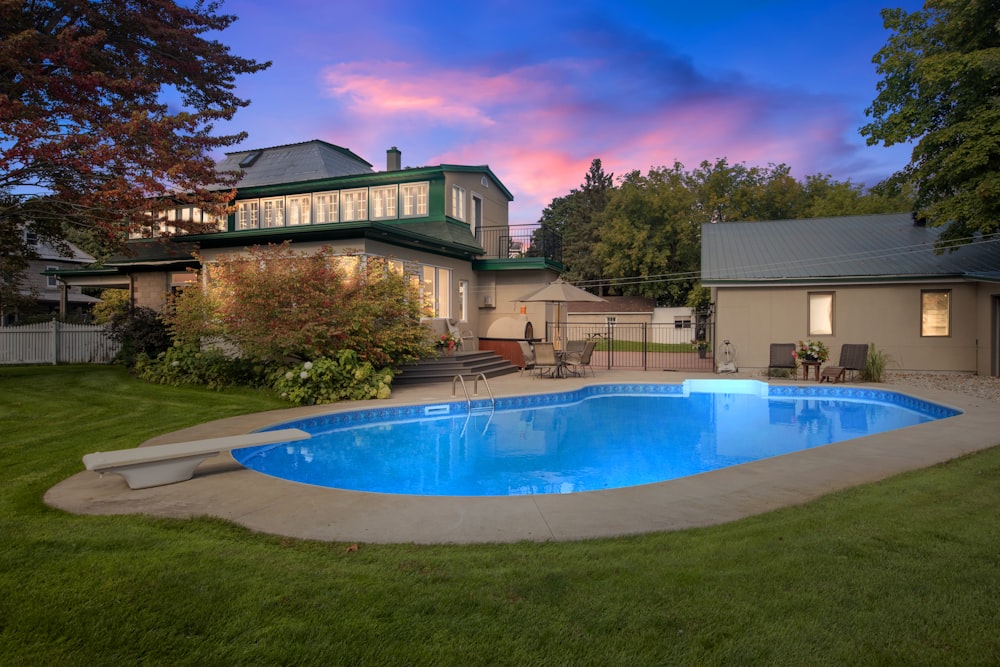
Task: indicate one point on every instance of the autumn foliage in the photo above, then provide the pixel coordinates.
(108, 109)
(274, 303)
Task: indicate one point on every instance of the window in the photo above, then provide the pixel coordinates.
(31, 238)
(463, 300)
(384, 202)
(248, 214)
(935, 313)
(477, 213)
(274, 212)
(821, 313)
(682, 322)
(297, 210)
(413, 199)
(435, 291)
(327, 207)
(354, 205)
(52, 281)
(458, 202)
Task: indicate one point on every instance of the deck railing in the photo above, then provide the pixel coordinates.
(517, 241)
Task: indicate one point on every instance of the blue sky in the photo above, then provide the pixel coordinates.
(538, 90)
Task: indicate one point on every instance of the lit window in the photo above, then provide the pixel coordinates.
(297, 211)
(383, 202)
(327, 207)
(821, 313)
(274, 212)
(248, 215)
(458, 202)
(413, 199)
(935, 313)
(435, 291)
(354, 205)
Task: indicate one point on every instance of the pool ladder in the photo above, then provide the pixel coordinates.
(468, 399)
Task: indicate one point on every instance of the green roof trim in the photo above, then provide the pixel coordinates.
(517, 264)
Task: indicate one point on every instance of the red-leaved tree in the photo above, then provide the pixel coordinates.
(273, 303)
(107, 109)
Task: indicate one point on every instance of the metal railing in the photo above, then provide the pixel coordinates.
(517, 241)
(642, 345)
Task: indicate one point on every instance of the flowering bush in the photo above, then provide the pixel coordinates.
(330, 379)
(188, 364)
(812, 350)
(448, 341)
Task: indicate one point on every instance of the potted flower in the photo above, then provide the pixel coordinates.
(811, 351)
(447, 343)
(702, 346)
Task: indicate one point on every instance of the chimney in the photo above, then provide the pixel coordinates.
(393, 159)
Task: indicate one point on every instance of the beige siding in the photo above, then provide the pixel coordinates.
(150, 289)
(886, 315)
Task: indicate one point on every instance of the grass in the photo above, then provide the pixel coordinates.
(903, 572)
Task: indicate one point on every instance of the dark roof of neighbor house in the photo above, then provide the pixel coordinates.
(305, 161)
(847, 248)
(613, 304)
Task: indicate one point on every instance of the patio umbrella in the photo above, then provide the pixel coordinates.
(559, 292)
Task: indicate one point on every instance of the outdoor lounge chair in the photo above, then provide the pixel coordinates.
(782, 356)
(528, 353)
(852, 358)
(578, 362)
(546, 361)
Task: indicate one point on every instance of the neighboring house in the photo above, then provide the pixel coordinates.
(49, 295)
(595, 317)
(445, 225)
(856, 279)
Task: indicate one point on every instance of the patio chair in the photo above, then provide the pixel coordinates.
(852, 358)
(528, 353)
(578, 362)
(546, 361)
(782, 356)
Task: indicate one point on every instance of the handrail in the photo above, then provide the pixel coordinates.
(468, 399)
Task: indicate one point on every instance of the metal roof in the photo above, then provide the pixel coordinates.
(875, 247)
(306, 161)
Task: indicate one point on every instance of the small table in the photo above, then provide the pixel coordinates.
(806, 365)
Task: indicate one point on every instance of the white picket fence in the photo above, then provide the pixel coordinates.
(54, 343)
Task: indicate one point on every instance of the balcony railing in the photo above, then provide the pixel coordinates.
(517, 241)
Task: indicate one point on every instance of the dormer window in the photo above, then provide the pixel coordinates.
(31, 238)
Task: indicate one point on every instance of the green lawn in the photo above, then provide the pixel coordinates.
(902, 572)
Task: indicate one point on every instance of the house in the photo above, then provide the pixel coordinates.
(446, 225)
(856, 279)
(47, 294)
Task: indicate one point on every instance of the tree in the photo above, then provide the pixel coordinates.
(940, 83)
(574, 217)
(274, 303)
(107, 111)
(648, 232)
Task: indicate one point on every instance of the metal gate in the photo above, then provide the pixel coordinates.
(644, 346)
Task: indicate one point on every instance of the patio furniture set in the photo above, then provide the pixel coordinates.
(544, 360)
(852, 358)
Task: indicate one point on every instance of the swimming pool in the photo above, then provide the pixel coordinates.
(598, 437)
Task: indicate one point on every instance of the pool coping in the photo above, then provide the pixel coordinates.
(222, 488)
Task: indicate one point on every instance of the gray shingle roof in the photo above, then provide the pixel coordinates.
(848, 247)
(291, 163)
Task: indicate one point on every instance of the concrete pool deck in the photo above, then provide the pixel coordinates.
(222, 488)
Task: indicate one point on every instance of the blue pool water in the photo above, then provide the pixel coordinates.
(599, 437)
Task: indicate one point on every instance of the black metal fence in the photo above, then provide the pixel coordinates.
(517, 241)
(644, 346)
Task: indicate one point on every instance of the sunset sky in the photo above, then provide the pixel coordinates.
(537, 90)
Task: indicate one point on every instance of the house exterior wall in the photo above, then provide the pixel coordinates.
(888, 315)
(495, 202)
(988, 329)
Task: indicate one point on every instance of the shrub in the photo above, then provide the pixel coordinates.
(329, 379)
(186, 364)
(140, 331)
(875, 364)
(114, 303)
